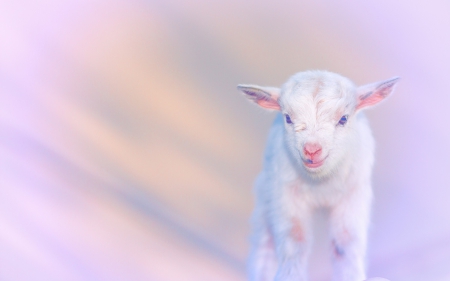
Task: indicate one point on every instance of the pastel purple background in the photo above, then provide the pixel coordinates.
(126, 152)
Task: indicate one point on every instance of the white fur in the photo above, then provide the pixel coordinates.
(288, 192)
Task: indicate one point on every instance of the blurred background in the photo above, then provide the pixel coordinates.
(126, 152)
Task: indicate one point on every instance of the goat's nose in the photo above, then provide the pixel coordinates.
(312, 149)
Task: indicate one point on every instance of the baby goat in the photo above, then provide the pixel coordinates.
(319, 155)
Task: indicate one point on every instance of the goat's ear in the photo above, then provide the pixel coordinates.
(372, 94)
(266, 97)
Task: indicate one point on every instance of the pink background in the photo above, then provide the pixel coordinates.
(126, 152)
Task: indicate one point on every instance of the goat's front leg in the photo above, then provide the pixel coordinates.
(349, 225)
(293, 241)
(263, 262)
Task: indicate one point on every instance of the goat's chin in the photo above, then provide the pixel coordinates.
(321, 170)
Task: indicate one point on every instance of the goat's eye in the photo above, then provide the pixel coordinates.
(343, 120)
(288, 119)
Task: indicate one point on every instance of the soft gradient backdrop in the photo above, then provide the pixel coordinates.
(126, 152)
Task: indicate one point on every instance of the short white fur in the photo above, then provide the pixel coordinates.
(292, 186)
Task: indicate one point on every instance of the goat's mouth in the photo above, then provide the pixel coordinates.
(312, 164)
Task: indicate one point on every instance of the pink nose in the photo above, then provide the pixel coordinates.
(312, 150)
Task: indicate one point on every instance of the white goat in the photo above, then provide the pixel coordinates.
(319, 155)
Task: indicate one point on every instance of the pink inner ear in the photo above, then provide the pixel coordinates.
(371, 100)
(270, 104)
(373, 97)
